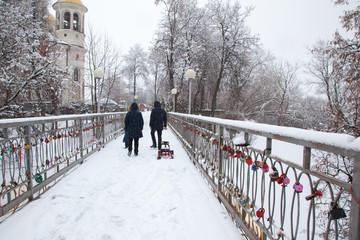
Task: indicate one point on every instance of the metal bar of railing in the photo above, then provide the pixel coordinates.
(259, 200)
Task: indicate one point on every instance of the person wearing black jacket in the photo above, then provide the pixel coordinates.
(134, 124)
(158, 122)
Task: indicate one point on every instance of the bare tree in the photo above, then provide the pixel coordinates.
(158, 72)
(287, 90)
(177, 40)
(342, 96)
(102, 53)
(169, 34)
(135, 66)
(231, 40)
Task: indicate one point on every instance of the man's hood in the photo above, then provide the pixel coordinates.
(134, 107)
(157, 104)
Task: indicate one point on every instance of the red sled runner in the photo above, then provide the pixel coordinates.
(165, 150)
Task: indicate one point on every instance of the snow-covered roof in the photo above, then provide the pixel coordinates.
(73, 1)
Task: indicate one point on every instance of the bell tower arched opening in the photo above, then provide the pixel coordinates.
(66, 20)
(76, 22)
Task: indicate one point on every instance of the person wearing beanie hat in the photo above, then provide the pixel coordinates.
(158, 122)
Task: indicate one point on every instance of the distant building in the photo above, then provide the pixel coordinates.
(143, 107)
(68, 26)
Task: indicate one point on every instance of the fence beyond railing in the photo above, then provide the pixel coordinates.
(36, 152)
(267, 179)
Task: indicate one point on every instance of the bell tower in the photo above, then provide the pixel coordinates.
(69, 28)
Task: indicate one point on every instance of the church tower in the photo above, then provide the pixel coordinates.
(69, 28)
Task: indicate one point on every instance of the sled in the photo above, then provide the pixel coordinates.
(165, 150)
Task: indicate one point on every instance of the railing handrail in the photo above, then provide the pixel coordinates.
(15, 122)
(337, 143)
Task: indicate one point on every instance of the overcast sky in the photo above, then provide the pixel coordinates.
(285, 27)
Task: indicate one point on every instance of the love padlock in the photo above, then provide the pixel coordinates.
(315, 193)
(337, 213)
(274, 174)
(249, 160)
(298, 187)
(265, 168)
(254, 167)
(260, 212)
(283, 179)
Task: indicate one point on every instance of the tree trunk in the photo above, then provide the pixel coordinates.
(217, 86)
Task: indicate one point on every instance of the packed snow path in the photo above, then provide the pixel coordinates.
(114, 196)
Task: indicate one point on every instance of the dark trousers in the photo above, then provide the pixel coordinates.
(159, 133)
(136, 145)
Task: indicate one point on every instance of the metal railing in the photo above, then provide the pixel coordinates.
(270, 196)
(36, 152)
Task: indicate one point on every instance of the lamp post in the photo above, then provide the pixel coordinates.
(190, 74)
(98, 74)
(135, 98)
(126, 91)
(174, 92)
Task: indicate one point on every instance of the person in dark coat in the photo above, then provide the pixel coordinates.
(134, 124)
(158, 122)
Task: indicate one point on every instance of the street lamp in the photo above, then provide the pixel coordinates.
(135, 97)
(98, 74)
(190, 74)
(174, 92)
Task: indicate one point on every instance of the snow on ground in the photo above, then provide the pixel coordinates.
(114, 196)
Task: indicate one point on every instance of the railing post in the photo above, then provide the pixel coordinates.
(355, 198)
(306, 157)
(246, 138)
(28, 153)
(220, 156)
(114, 118)
(103, 130)
(81, 140)
(194, 139)
(268, 146)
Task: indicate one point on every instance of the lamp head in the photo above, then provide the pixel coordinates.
(190, 74)
(98, 73)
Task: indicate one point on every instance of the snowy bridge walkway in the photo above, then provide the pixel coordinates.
(265, 176)
(113, 196)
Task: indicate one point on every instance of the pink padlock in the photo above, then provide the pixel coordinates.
(286, 180)
(283, 179)
(298, 187)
